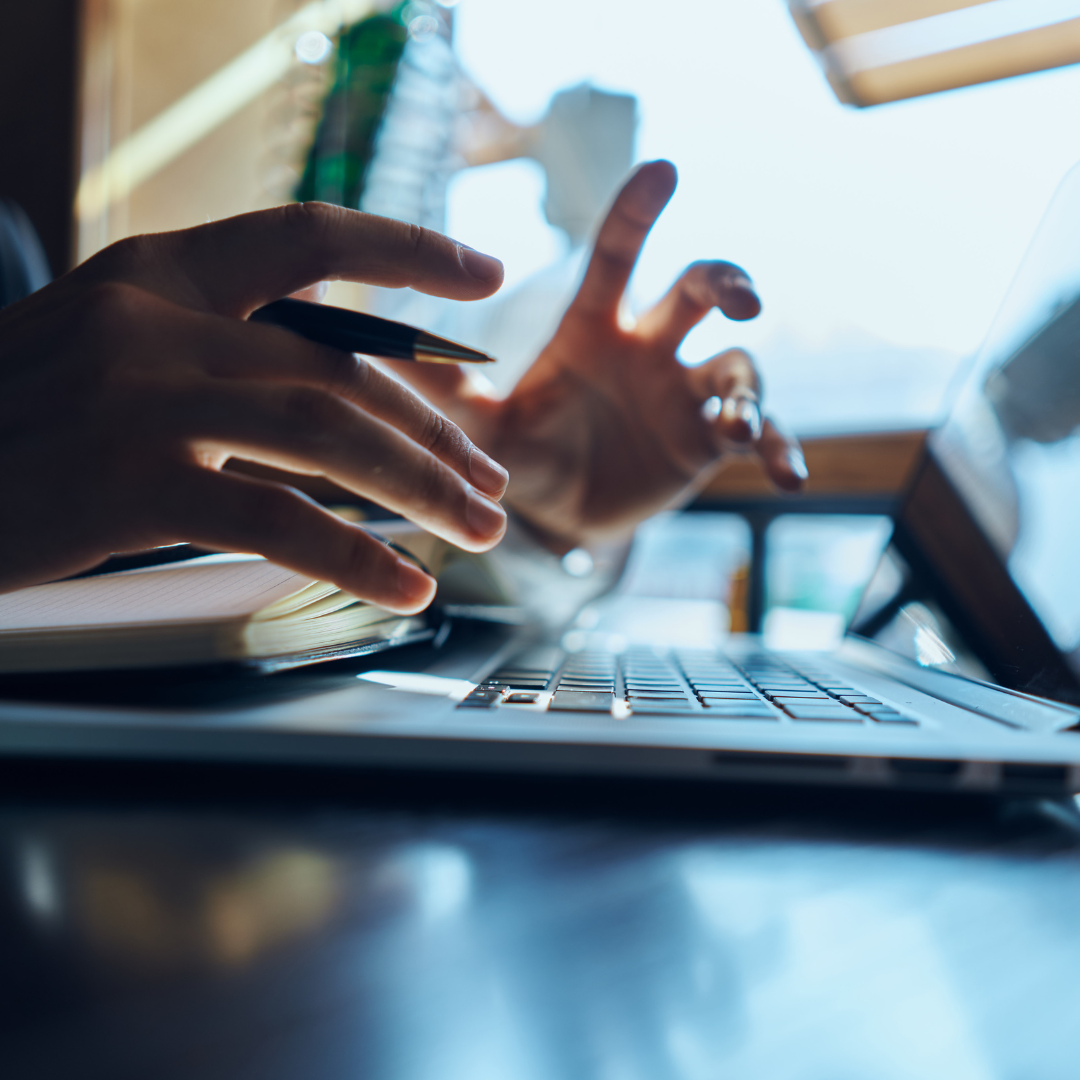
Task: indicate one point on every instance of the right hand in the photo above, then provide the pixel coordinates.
(127, 383)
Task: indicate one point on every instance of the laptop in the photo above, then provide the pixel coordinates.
(960, 671)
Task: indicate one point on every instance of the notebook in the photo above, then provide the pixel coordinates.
(228, 608)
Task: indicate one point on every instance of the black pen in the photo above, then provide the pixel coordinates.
(356, 332)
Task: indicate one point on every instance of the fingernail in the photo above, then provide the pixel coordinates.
(413, 584)
(737, 281)
(486, 474)
(742, 410)
(742, 301)
(484, 516)
(797, 464)
(482, 267)
(750, 415)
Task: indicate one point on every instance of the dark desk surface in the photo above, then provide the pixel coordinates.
(331, 928)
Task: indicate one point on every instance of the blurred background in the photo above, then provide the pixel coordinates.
(881, 218)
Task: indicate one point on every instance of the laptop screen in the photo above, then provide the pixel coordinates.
(1009, 453)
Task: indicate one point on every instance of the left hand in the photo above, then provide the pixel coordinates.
(608, 426)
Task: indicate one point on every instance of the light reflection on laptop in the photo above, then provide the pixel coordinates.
(1010, 448)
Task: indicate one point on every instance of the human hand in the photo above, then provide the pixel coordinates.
(607, 426)
(126, 384)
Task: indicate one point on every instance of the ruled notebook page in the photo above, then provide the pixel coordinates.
(205, 589)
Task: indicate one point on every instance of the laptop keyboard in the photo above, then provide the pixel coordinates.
(695, 684)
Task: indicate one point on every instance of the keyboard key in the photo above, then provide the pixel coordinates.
(660, 708)
(734, 703)
(816, 712)
(580, 701)
(727, 705)
(881, 711)
(804, 703)
(521, 699)
(740, 714)
(481, 699)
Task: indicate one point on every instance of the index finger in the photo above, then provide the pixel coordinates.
(240, 263)
(702, 286)
(621, 237)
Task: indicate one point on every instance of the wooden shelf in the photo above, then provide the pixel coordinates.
(873, 466)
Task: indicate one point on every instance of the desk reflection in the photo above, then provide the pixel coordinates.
(387, 944)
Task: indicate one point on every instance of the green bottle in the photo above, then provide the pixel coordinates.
(365, 65)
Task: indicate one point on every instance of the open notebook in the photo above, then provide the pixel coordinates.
(215, 609)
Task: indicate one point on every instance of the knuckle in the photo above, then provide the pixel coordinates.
(309, 412)
(410, 244)
(733, 373)
(700, 268)
(417, 237)
(362, 559)
(270, 511)
(737, 356)
(719, 268)
(312, 219)
(444, 438)
(111, 307)
(347, 375)
(432, 485)
(127, 256)
(434, 434)
(697, 284)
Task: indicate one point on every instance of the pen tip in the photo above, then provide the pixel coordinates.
(436, 350)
